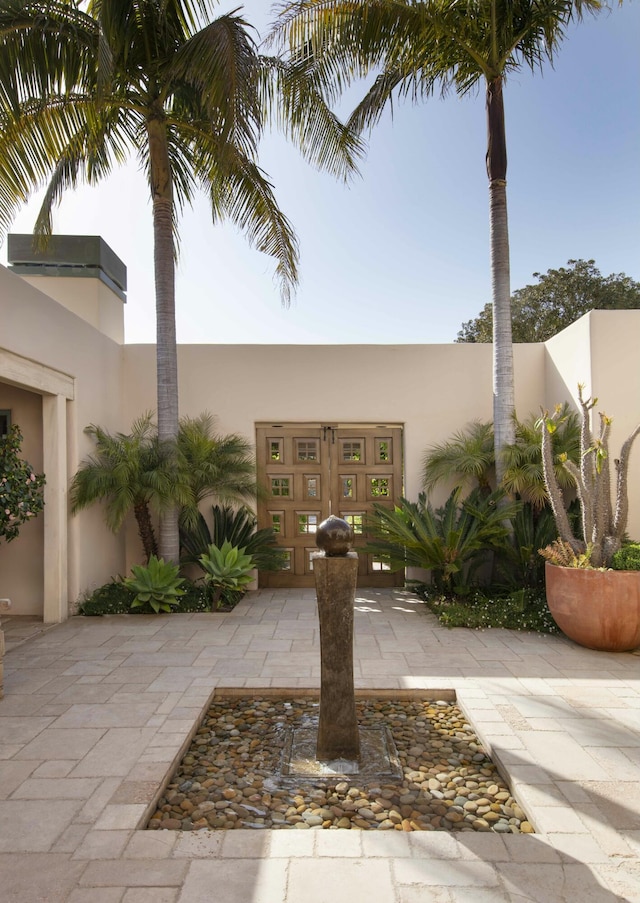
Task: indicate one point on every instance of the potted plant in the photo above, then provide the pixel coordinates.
(593, 604)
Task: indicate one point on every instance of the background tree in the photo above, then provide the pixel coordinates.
(559, 299)
(21, 489)
(418, 47)
(81, 89)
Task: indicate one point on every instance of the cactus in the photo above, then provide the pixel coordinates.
(603, 526)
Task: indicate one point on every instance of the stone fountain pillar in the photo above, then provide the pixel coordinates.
(336, 574)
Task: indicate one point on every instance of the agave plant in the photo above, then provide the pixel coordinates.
(227, 568)
(449, 541)
(157, 585)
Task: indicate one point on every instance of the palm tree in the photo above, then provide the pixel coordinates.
(81, 89)
(213, 465)
(420, 46)
(468, 457)
(137, 472)
(124, 472)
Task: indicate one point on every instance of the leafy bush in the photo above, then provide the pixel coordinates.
(524, 609)
(451, 541)
(627, 558)
(115, 598)
(21, 496)
(156, 584)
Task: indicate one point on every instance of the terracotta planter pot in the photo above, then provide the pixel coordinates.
(597, 609)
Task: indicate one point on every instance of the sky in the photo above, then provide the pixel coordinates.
(401, 254)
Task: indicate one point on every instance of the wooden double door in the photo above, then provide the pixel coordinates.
(312, 470)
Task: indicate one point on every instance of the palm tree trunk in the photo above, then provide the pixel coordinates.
(166, 347)
(145, 529)
(503, 379)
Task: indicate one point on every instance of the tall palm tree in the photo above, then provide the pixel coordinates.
(420, 46)
(84, 86)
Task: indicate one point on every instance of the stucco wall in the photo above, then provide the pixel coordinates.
(38, 329)
(88, 298)
(431, 390)
(600, 350)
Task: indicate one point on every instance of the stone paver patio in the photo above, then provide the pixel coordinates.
(97, 710)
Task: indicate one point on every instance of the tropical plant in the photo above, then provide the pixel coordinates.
(417, 47)
(518, 563)
(450, 541)
(560, 297)
(468, 456)
(227, 568)
(125, 472)
(86, 85)
(212, 464)
(137, 472)
(157, 584)
(238, 527)
(523, 470)
(603, 527)
(21, 489)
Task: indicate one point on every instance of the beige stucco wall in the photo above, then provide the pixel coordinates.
(600, 351)
(42, 339)
(430, 390)
(88, 298)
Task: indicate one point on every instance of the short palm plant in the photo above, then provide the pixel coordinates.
(467, 458)
(450, 541)
(125, 473)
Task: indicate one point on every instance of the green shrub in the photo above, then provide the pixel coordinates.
(524, 609)
(627, 558)
(156, 584)
(114, 598)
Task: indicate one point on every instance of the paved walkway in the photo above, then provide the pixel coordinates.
(97, 710)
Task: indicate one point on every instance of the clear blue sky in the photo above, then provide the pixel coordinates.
(402, 255)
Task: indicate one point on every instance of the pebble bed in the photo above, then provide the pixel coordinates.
(231, 776)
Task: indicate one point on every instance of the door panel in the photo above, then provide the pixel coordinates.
(312, 470)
